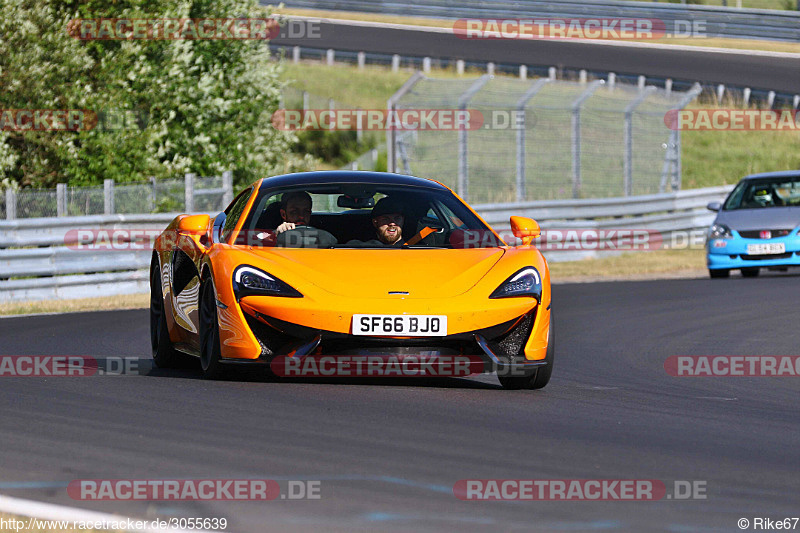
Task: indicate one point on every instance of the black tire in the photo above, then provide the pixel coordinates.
(751, 272)
(210, 352)
(719, 273)
(541, 377)
(164, 355)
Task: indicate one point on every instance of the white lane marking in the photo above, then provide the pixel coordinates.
(598, 42)
(720, 398)
(50, 511)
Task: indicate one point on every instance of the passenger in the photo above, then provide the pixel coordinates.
(387, 219)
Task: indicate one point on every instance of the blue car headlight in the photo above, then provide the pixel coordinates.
(250, 281)
(524, 282)
(719, 231)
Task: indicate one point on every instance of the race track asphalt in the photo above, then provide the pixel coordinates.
(739, 69)
(387, 453)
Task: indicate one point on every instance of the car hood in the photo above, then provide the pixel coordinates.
(433, 273)
(757, 219)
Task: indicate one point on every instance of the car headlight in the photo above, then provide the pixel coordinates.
(250, 281)
(719, 231)
(524, 282)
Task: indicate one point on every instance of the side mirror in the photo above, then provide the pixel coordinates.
(194, 224)
(714, 206)
(526, 229)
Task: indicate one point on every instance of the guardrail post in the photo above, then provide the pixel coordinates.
(227, 184)
(612, 80)
(296, 54)
(796, 100)
(330, 56)
(582, 76)
(523, 72)
(108, 197)
(520, 125)
(490, 68)
(11, 204)
(668, 87)
(395, 63)
(746, 95)
(189, 193)
(460, 67)
(770, 99)
(551, 73)
(576, 135)
(362, 60)
(61, 199)
(426, 65)
(720, 92)
(641, 82)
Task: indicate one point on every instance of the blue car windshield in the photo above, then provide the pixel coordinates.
(761, 193)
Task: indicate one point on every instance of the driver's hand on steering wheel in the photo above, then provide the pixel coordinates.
(286, 226)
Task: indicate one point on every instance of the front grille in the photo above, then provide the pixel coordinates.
(766, 257)
(756, 233)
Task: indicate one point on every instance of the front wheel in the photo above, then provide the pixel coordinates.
(210, 352)
(541, 377)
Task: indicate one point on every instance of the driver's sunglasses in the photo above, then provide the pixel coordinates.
(387, 219)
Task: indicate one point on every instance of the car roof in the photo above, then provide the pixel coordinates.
(348, 176)
(779, 174)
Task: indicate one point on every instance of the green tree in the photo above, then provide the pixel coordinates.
(201, 106)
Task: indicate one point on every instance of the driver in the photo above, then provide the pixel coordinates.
(295, 210)
(387, 218)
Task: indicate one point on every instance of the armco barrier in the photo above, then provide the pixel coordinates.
(36, 263)
(718, 21)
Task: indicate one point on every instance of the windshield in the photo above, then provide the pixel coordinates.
(761, 193)
(363, 215)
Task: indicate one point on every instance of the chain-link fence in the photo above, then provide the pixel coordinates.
(541, 139)
(200, 194)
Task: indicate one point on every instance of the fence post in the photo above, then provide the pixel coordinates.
(189, 193)
(227, 184)
(628, 159)
(108, 197)
(154, 194)
(11, 204)
(391, 132)
(61, 199)
(520, 126)
(463, 163)
(576, 135)
(305, 101)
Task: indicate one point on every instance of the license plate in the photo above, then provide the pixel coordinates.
(766, 249)
(400, 325)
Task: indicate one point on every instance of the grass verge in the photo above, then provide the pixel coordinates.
(709, 157)
(713, 42)
(126, 301)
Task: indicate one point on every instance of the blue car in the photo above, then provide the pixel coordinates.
(757, 226)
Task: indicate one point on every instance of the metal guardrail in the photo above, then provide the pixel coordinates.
(719, 21)
(38, 259)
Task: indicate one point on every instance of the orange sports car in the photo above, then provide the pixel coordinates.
(343, 263)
